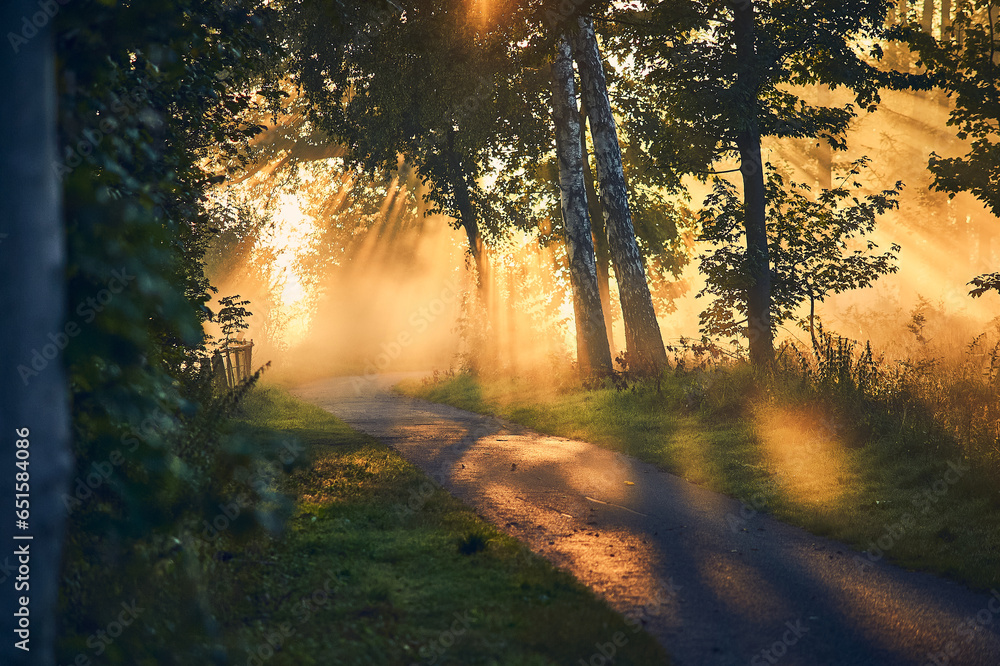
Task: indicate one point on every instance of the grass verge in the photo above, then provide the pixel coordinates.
(883, 485)
(378, 566)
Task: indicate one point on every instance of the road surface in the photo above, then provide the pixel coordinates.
(715, 584)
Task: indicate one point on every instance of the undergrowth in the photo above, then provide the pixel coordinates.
(838, 439)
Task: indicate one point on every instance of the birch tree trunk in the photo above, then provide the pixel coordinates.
(642, 332)
(601, 251)
(593, 353)
(754, 198)
(34, 405)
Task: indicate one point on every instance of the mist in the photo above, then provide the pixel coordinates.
(352, 275)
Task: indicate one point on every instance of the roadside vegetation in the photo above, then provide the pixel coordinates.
(379, 566)
(898, 458)
(178, 130)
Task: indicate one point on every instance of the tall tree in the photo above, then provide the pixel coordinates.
(758, 265)
(602, 253)
(723, 76)
(426, 80)
(147, 92)
(643, 341)
(927, 16)
(815, 247)
(593, 352)
(34, 408)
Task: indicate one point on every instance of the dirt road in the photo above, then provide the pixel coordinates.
(716, 583)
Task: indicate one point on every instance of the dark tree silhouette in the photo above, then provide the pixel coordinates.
(34, 405)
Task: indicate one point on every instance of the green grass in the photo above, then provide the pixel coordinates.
(379, 566)
(796, 457)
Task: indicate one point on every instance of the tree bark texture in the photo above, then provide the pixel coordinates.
(754, 198)
(601, 251)
(593, 352)
(646, 354)
(467, 217)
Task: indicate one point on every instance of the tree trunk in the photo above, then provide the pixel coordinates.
(754, 201)
(812, 319)
(476, 246)
(593, 352)
(927, 17)
(945, 17)
(904, 51)
(927, 25)
(513, 339)
(467, 217)
(34, 402)
(488, 353)
(824, 166)
(601, 251)
(643, 342)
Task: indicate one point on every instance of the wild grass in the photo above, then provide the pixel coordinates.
(840, 441)
(380, 566)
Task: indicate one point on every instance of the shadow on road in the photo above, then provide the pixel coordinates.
(716, 582)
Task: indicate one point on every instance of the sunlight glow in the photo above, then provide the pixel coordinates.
(292, 232)
(481, 9)
(803, 449)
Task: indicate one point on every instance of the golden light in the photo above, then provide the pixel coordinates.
(803, 449)
(291, 237)
(481, 11)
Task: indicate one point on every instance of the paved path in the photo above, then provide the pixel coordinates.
(664, 551)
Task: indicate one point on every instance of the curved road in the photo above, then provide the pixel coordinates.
(714, 586)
